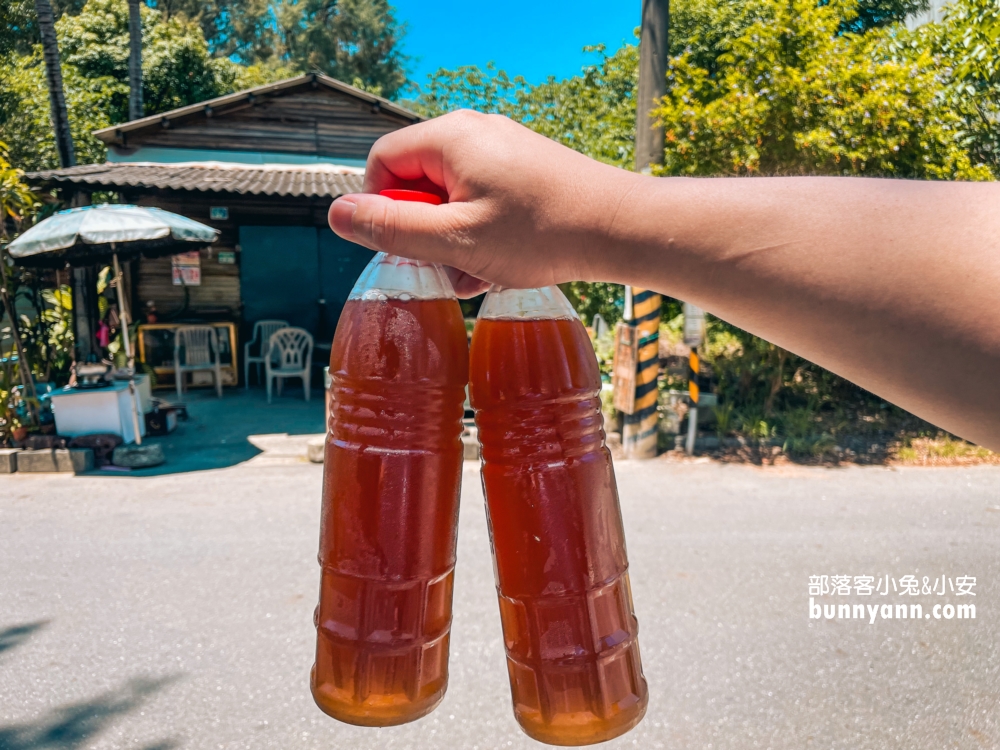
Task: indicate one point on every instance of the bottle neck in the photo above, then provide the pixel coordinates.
(526, 304)
(392, 277)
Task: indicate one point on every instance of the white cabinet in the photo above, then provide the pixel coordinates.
(85, 411)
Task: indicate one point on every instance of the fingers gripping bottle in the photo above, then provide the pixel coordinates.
(391, 484)
(555, 525)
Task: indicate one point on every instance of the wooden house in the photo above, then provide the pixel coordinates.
(262, 166)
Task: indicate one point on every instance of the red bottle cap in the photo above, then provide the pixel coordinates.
(418, 196)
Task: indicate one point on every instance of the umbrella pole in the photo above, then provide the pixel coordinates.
(128, 350)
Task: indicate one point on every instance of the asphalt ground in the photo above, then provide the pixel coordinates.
(175, 611)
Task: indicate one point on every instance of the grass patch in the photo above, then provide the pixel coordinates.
(941, 450)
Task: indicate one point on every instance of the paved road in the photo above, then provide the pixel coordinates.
(175, 612)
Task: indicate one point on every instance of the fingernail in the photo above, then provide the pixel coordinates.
(342, 217)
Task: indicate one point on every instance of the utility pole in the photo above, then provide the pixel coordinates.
(653, 53)
(639, 434)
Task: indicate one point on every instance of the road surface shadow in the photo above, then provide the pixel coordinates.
(15, 635)
(76, 725)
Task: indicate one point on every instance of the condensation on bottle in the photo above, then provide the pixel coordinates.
(556, 532)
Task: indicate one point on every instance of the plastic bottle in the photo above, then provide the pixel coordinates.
(392, 476)
(555, 526)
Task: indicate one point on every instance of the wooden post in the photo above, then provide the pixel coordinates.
(639, 434)
(85, 315)
(134, 60)
(83, 290)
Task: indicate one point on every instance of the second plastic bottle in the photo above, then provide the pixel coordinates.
(555, 525)
(391, 484)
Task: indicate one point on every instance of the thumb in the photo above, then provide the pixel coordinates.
(413, 230)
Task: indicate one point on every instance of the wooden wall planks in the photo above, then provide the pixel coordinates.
(321, 123)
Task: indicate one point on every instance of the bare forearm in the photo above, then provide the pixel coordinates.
(891, 284)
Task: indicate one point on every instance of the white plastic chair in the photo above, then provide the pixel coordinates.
(289, 356)
(262, 331)
(201, 352)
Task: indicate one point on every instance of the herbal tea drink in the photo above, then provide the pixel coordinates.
(391, 485)
(556, 529)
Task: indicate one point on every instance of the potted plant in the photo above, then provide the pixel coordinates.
(18, 431)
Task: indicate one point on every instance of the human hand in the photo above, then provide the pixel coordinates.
(521, 211)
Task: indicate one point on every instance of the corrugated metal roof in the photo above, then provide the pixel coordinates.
(313, 180)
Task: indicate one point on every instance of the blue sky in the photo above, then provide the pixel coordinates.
(531, 38)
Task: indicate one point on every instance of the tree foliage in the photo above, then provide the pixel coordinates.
(791, 95)
(19, 23)
(17, 200)
(357, 41)
(593, 298)
(353, 40)
(968, 44)
(177, 70)
(874, 14)
(593, 112)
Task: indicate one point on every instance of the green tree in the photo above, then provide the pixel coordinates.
(968, 44)
(791, 95)
(590, 299)
(352, 40)
(593, 112)
(470, 87)
(17, 203)
(19, 23)
(54, 81)
(242, 30)
(94, 46)
(357, 41)
(874, 14)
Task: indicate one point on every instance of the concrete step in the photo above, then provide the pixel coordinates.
(59, 460)
(8, 460)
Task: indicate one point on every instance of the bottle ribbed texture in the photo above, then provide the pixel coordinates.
(392, 475)
(555, 527)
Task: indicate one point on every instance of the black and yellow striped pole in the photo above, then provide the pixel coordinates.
(693, 369)
(640, 429)
(694, 335)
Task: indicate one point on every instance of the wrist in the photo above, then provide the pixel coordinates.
(605, 223)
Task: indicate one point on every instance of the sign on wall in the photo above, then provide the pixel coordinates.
(186, 268)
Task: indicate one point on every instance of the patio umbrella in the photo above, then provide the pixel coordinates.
(82, 236)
